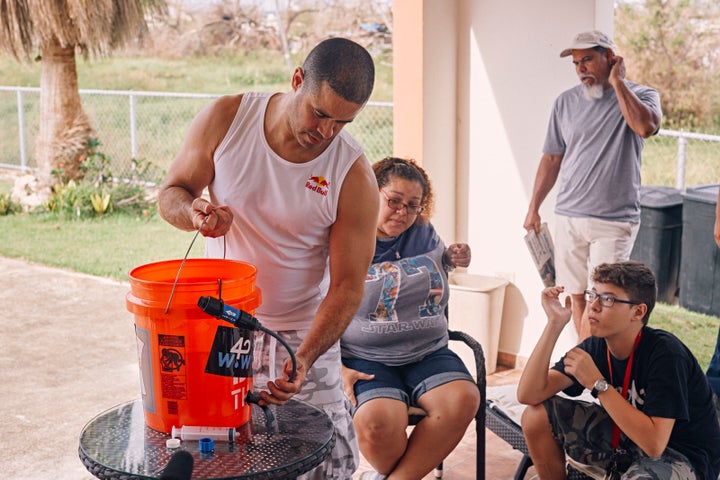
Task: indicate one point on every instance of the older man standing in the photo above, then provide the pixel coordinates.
(593, 144)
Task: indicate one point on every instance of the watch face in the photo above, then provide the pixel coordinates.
(601, 385)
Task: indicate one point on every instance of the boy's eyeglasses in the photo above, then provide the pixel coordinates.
(605, 300)
(396, 205)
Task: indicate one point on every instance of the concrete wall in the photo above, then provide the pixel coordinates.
(472, 96)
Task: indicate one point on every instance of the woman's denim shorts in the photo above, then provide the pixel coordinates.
(407, 383)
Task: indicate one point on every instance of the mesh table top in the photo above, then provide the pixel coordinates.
(117, 444)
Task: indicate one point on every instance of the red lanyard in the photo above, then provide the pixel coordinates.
(626, 384)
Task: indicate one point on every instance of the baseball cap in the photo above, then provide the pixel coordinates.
(593, 38)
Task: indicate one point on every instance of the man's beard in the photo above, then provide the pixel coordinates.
(593, 92)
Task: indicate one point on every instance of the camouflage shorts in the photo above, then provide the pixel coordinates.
(322, 388)
(584, 430)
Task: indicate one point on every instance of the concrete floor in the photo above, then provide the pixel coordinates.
(67, 353)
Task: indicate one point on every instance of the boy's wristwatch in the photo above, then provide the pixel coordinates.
(599, 387)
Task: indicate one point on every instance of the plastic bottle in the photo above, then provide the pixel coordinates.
(219, 434)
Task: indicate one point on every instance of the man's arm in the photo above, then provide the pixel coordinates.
(642, 119)
(547, 174)
(352, 244)
(179, 200)
(538, 382)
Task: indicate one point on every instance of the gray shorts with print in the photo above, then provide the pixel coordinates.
(584, 430)
(323, 389)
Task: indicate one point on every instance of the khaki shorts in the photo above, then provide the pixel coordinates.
(583, 243)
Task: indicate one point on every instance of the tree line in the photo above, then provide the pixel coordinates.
(674, 46)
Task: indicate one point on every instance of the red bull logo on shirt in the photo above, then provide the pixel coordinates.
(318, 184)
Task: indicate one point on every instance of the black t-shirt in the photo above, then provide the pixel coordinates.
(666, 381)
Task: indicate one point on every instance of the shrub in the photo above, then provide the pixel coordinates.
(99, 193)
(8, 206)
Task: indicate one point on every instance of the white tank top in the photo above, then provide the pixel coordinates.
(282, 213)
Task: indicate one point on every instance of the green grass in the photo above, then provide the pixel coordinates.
(106, 247)
(220, 74)
(659, 165)
(696, 330)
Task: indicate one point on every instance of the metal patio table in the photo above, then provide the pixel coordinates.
(117, 444)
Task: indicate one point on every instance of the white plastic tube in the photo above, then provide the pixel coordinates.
(218, 434)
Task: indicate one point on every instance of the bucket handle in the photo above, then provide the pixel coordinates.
(177, 277)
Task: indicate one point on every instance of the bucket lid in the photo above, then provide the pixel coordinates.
(660, 196)
(703, 193)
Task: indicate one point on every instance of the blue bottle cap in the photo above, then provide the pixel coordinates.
(207, 445)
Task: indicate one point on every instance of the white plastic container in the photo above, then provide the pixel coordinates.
(475, 307)
(218, 434)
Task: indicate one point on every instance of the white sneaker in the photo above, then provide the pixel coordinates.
(372, 475)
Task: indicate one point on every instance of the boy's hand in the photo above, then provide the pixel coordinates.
(580, 365)
(555, 311)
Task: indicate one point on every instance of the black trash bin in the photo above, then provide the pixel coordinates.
(658, 241)
(700, 268)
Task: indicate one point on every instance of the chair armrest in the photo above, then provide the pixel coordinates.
(476, 349)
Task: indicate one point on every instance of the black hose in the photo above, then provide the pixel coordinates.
(242, 319)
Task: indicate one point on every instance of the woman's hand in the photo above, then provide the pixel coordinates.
(349, 377)
(457, 255)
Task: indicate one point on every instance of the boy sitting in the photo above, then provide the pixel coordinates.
(655, 419)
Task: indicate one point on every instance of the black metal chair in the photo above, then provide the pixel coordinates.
(416, 415)
(504, 427)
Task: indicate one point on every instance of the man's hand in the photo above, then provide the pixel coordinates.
(580, 365)
(282, 390)
(555, 311)
(617, 70)
(532, 221)
(212, 221)
(349, 377)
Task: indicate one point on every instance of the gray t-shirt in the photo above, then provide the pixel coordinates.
(402, 315)
(600, 169)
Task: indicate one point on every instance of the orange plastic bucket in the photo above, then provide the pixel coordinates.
(194, 368)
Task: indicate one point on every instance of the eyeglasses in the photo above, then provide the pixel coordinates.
(397, 205)
(605, 300)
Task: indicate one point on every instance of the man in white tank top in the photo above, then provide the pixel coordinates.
(294, 195)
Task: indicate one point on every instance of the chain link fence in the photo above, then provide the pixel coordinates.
(147, 126)
(151, 126)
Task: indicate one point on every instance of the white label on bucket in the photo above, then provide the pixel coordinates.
(239, 394)
(146, 374)
(172, 364)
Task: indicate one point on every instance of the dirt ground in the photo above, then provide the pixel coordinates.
(67, 353)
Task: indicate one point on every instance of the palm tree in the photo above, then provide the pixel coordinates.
(54, 32)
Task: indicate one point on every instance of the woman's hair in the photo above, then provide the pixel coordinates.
(392, 167)
(344, 65)
(635, 278)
